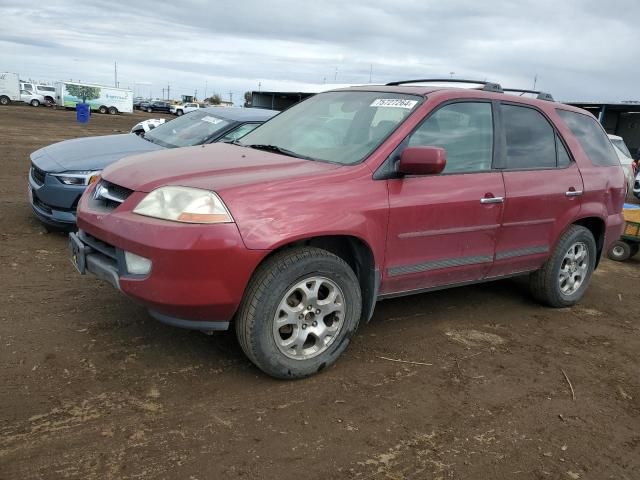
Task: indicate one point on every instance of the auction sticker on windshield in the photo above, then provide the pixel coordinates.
(394, 103)
(213, 120)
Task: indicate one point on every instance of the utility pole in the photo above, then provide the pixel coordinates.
(259, 86)
(205, 89)
(163, 93)
(168, 92)
(370, 72)
(115, 74)
(231, 97)
(195, 94)
(535, 81)
(335, 76)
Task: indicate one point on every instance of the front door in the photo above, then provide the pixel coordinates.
(442, 228)
(543, 190)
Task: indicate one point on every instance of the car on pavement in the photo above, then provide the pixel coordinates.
(33, 99)
(294, 232)
(624, 156)
(61, 172)
(182, 109)
(157, 106)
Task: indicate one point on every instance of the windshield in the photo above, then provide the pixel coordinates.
(620, 145)
(194, 128)
(339, 127)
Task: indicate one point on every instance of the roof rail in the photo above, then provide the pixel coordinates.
(488, 86)
(540, 95)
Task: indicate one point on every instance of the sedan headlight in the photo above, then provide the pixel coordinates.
(184, 204)
(82, 177)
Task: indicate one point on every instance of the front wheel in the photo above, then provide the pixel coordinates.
(564, 278)
(149, 110)
(299, 312)
(35, 103)
(179, 112)
(113, 110)
(4, 100)
(103, 109)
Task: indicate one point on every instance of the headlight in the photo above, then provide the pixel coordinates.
(184, 204)
(83, 177)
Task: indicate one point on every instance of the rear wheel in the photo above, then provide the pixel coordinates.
(149, 109)
(179, 112)
(4, 100)
(621, 251)
(103, 109)
(113, 110)
(299, 313)
(34, 103)
(564, 278)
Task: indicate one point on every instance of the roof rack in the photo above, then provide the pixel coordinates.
(540, 95)
(488, 86)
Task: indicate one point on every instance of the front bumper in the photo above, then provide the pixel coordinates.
(198, 273)
(53, 202)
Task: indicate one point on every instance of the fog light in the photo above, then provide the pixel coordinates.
(136, 264)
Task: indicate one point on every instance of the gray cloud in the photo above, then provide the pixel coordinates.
(579, 49)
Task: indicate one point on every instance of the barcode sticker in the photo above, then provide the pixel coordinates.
(394, 103)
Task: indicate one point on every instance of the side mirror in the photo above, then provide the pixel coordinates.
(422, 160)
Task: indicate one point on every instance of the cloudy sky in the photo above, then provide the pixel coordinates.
(579, 49)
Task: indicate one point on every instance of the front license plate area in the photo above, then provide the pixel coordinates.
(78, 253)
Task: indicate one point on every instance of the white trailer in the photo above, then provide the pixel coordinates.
(101, 98)
(9, 88)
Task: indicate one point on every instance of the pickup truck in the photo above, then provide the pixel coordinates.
(180, 110)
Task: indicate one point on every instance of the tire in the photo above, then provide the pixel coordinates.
(103, 109)
(113, 110)
(4, 100)
(621, 251)
(149, 109)
(179, 113)
(555, 283)
(34, 103)
(275, 288)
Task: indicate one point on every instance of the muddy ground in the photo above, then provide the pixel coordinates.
(91, 387)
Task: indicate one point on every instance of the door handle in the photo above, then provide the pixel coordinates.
(573, 192)
(486, 200)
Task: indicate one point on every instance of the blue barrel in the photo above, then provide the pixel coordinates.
(83, 112)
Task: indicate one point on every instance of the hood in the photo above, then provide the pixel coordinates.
(90, 153)
(211, 167)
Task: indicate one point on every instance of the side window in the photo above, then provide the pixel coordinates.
(465, 131)
(238, 132)
(530, 139)
(592, 138)
(564, 160)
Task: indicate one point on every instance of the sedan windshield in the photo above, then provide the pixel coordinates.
(188, 130)
(338, 127)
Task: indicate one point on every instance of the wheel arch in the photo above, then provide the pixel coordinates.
(597, 227)
(356, 252)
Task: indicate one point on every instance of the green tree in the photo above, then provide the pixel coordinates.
(84, 92)
(215, 99)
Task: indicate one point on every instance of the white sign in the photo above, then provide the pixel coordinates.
(394, 103)
(213, 120)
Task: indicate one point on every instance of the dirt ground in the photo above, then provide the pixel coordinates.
(93, 388)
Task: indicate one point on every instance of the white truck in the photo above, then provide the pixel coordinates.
(101, 98)
(47, 91)
(182, 109)
(9, 88)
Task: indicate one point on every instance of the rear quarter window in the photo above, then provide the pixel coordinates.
(591, 137)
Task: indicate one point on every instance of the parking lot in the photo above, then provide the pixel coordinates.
(474, 382)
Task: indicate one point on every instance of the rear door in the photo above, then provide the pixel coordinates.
(442, 228)
(543, 189)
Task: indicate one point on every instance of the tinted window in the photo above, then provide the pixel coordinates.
(564, 160)
(187, 130)
(465, 131)
(530, 139)
(592, 138)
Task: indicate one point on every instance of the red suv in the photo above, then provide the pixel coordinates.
(356, 195)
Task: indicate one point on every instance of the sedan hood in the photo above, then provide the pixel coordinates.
(211, 167)
(90, 153)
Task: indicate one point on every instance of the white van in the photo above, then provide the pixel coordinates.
(9, 88)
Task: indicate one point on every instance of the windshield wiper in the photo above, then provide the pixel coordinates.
(280, 150)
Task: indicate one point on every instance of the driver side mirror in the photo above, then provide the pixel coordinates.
(422, 160)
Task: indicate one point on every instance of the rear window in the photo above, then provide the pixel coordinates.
(592, 138)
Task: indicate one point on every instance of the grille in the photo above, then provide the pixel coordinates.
(109, 195)
(37, 174)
